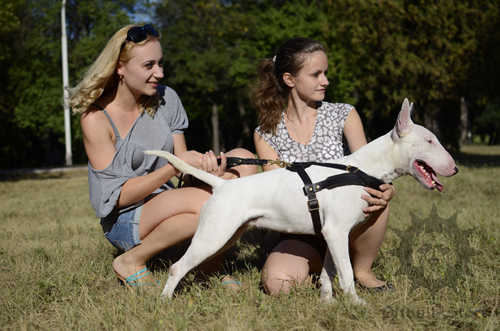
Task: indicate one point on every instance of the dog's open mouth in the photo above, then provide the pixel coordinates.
(427, 175)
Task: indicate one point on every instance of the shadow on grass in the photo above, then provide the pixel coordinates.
(16, 177)
(41, 174)
(250, 252)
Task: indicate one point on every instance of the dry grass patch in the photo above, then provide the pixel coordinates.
(56, 266)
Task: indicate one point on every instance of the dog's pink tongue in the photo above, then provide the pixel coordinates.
(437, 183)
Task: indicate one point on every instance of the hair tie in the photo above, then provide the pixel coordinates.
(274, 59)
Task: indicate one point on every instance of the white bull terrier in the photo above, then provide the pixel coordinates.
(276, 200)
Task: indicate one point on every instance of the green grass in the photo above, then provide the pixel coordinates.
(56, 273)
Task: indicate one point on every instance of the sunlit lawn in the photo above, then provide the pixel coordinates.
(56, 265)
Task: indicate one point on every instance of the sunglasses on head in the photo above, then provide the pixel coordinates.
(138, 34)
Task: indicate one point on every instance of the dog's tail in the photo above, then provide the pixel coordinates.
(182, 166)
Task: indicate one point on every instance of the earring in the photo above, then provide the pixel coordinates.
(121, 77)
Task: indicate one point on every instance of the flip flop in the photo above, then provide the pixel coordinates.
(235, 281)
(388, 287)
(131, 281)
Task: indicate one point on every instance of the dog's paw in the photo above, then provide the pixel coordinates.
(167, 294)
(359, 302)
(327, 296)
(328, 300)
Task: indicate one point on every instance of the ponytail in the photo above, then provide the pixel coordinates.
(271, 95)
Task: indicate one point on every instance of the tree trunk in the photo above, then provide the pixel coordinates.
(246, 127)
(215, 128)
(431, 123)
(464, 116)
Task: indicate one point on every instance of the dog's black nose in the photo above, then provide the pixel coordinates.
(456, 170)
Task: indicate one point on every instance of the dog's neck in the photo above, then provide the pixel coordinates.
(378, 159)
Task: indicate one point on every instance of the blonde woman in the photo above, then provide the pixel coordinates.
(296, 125)
(125, 111)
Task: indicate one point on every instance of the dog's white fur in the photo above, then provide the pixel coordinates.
(275, 199)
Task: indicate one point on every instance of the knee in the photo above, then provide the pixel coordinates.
(243, 170)
(241, 152)
(277, 283)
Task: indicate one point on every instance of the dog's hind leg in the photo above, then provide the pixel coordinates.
(210, 237)
(338, 246)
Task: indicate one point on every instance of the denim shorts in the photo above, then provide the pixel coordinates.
(122, 230)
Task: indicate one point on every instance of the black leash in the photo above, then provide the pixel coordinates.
(236, 161)
(354, 176)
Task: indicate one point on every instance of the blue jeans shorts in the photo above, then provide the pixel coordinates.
(122, 230)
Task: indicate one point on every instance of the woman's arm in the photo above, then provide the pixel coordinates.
(264, 151)
(207, 162)
(354, 132)
(98, 139)
(355, 135)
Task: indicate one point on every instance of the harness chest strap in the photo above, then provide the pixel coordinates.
(353, 177)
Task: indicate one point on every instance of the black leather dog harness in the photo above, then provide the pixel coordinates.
(354, 176)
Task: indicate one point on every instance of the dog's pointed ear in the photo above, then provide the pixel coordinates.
(404, 121)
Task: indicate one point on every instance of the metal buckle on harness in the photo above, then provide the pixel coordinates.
(314, 203)
(281, 164)
(352, 171)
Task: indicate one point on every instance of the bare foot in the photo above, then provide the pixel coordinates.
(125, 267)
(231, 282)
(368, 280)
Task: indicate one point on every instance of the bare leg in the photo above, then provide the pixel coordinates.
(166, 220)
(243, 170)
(290, 264)
(171, 218)
(364, 244)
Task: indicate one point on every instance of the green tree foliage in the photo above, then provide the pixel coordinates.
(32, 108)
(201, 38)
(443, 55)
(9, 29)
(483, 80)
(278, 21)
(421, 49)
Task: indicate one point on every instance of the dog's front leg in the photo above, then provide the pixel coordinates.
(338, 246)
(327, 274)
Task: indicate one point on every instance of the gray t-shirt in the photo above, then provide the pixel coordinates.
(147, 133)
(326, 143)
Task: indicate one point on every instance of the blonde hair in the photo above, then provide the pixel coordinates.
(101, 77)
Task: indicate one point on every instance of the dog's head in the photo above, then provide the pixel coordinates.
(423, 154)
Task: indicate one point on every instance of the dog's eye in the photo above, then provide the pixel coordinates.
(429, 141)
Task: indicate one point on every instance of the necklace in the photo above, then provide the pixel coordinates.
(295, 129)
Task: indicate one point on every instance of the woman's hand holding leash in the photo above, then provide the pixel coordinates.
(211, 165)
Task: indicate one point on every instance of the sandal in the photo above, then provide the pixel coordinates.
(388, 287)
(131, 281)
(235, 281)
